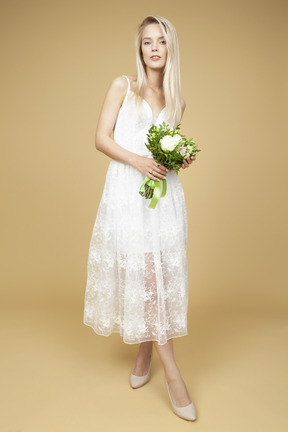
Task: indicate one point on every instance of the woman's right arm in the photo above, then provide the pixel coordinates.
(107, 119)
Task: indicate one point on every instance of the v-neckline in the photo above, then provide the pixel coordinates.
(148, 105)
(153, 117)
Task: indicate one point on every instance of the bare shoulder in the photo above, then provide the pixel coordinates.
(118, 88)
(119, 84)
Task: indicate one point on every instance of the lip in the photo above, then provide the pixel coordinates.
(155, 57)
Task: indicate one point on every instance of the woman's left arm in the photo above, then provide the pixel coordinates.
(186, 162)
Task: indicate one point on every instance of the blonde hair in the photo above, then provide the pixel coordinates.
(171, 76)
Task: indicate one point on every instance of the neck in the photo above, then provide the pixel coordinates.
(155, 79)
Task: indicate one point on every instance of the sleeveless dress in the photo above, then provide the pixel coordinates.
(137, 283)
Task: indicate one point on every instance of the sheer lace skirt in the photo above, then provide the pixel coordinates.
(137, 281)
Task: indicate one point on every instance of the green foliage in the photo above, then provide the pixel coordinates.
(172, 160)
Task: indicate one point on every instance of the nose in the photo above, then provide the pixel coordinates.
(154, 47)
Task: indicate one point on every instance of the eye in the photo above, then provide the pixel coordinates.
(163, 42)
(146, 43)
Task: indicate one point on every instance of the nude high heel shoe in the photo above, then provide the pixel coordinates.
(138, 381)
(187, 412)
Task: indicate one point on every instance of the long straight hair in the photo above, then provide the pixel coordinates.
(171, 75)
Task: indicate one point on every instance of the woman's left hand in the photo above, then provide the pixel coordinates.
(187, 162)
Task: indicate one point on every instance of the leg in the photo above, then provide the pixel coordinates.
(143, 358)
(177, 386)
(145, 349)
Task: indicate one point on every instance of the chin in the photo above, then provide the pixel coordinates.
(156, 66)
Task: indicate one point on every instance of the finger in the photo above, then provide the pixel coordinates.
(157, 176)
(152, 177)
(160, 168)
(156, 172)
(153, 174)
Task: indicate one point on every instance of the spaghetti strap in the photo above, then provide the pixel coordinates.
(127, 80)
(137, 282)
(126, 96)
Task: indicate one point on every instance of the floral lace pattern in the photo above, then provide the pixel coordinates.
(137, 282)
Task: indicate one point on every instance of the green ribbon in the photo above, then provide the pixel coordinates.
(156, 189)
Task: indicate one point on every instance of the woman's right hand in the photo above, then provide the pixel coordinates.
(150, 168)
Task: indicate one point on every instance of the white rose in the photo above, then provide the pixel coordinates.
(168, 143)
(178, 138)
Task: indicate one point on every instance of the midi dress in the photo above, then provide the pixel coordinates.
(137, 281)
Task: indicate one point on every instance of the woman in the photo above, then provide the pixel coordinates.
(137, 269)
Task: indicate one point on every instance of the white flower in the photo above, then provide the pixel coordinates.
(185, 151)
(182, 150)
(178, 138)
(168, 143)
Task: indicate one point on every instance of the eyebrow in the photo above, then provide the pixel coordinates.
(160, 37)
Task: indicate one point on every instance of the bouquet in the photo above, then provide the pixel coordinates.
(168, 147)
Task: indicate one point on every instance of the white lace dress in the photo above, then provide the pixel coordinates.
(137, 281)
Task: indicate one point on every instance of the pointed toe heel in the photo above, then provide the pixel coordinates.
(187, 412)
(137, 381)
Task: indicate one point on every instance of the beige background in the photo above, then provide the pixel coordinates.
(57, 61)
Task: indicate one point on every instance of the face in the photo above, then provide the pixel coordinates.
(154, 47)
